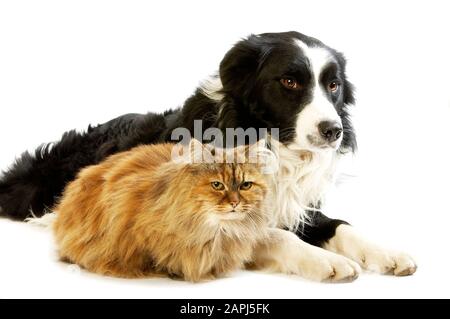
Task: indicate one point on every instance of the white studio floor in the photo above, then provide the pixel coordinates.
(65, 65)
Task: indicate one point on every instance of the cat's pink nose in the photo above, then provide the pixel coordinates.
(234, 199)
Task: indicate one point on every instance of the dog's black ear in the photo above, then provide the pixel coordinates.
(349, 96)
(240, 66)
(349, 140)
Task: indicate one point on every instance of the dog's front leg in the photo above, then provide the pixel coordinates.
(339, 237)
(370, 256)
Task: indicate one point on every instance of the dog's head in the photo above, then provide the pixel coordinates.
(292, 82)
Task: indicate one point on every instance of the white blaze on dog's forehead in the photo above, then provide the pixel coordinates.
(320, 108)
(318, 58)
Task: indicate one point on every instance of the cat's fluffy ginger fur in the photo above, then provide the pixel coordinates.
(132, 216)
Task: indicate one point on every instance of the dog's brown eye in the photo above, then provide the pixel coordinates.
(246, 185)
(333, 86)
(218, 186)
(290, 83)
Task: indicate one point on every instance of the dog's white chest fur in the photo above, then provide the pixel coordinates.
(300, 183)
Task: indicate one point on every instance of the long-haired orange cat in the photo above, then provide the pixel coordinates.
(140, 213)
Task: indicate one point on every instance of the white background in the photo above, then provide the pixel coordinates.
(65, 64)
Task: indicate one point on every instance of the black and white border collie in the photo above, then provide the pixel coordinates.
(285, 80)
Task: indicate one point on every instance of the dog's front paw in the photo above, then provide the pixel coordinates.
(320, 265)
(368, 255)
(386, 262)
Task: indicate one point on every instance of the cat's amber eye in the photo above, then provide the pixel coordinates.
(246, 185)
(218, 186)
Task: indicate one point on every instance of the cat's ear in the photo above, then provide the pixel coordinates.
(196, 152)
(193, 152)
(259, 153)
(256, 149)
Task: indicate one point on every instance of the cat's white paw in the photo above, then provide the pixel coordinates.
(368, 255)
(320, 265)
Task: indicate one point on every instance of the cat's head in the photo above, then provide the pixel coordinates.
(232, 187)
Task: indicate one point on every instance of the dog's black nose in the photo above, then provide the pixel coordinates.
(330, 131)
